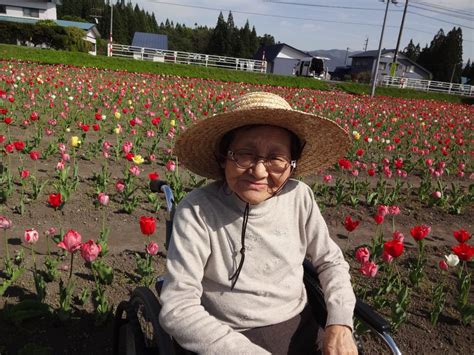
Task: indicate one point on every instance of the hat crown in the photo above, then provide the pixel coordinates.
(260, 100)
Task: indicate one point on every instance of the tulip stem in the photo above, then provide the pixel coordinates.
(70, 267)
(6, 245)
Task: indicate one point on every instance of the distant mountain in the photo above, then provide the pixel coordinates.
(337, 57)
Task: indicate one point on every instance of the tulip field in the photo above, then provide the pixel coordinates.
(80, 227)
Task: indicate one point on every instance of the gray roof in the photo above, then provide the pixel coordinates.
(150, 40)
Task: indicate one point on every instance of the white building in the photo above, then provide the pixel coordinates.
(31, 11)
(39, 9)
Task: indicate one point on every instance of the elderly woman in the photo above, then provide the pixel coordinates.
(234, 282)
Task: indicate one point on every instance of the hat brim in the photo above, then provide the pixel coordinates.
(325, 141)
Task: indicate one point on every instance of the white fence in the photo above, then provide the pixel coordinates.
(428, 85)
(207, 60)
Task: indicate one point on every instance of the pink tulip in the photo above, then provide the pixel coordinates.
(90, 250)
(387, 257)
(362, 255)
(5, 223)
(31, 236)
(119, 186)
(103, 199)
(71, 241)
(134, 170)
(369, 269)
(397, 235)
(436, 194)
(170, 165)
(327, 178)
(152, 248)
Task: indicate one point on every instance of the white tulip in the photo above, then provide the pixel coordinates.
(452, 260)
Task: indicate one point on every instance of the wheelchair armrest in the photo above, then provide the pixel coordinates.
(362, 310)
(366, 314)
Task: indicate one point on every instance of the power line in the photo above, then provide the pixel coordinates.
(438, 19)
(440, 7)
(286, 17)
(324, 6)
(466, 17)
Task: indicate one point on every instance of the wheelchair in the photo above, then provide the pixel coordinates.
(137, 331)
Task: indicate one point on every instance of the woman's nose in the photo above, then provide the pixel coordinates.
(259, 170)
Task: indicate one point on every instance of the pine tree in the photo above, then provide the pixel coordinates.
(217, 42)
(412, 51)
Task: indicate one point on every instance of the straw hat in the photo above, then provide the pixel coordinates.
(325, 141)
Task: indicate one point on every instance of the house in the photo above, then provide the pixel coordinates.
(364, 62)
(31, 11)
(38, 9)
(150, 40)
(281, 58)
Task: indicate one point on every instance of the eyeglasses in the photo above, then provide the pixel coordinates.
(274, 163)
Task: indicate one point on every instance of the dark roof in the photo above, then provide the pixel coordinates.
(272, 51)
(86, 26)
(371, 54)
(150, 40)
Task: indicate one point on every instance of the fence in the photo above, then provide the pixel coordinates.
(428, 85)
(207, 60)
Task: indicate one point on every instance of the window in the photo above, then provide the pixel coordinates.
(411, 68)
(3, 9)
(382, 66)
(29, 12)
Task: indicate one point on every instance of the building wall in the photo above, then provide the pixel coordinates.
(283, 66)
(46, 10)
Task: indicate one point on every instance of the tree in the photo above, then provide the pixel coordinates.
(444, 56)
(412, 51)
(217, 42)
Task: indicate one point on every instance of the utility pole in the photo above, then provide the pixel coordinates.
(109, 54)
(393, 68)
(366, 43)
(375, 71)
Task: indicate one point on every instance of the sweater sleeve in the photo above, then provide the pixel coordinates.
(332, 269)
(182, 314)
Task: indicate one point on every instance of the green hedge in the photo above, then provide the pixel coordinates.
(50, 34)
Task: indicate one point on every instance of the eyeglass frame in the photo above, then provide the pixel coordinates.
(265, 161)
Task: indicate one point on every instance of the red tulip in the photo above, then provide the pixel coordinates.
(350, 224)
(24, 173)
(461, 235)
(420, 232)
(71, 241)
(34, 155)
(463, 251)
(19, 145)
(147, 225)
(393, 248)
(378, 218)
(153, 176)
(55, 200)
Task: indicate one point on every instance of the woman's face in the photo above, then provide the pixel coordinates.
(256, 184)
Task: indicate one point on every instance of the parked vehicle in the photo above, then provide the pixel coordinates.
(312, 66)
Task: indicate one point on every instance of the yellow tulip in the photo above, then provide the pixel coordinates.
(117, 115)
(172, 123)
(137, 159)
(117, 130)
(356, 135)
(75, 141)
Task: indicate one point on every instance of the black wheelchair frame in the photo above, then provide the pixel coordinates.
(137, 331)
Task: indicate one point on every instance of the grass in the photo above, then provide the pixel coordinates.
(47, 56)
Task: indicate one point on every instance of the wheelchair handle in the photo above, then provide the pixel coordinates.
(160, 185)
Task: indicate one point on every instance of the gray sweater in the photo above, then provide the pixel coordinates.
(199, 309)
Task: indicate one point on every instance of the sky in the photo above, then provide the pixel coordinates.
(329, 24)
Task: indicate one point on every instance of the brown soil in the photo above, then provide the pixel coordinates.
(80, 335)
